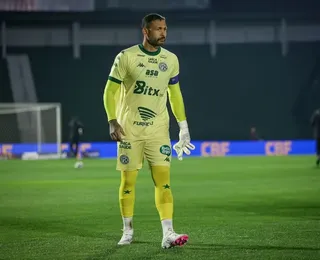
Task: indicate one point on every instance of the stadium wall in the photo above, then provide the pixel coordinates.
(244, 76)
(203, 148)
(243, 86)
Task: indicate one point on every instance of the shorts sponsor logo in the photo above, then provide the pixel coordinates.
(125, 145)
(166, 150)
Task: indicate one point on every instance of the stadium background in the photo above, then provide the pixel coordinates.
(243, 64)
(254, 64)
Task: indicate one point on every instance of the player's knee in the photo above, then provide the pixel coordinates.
(160, 170)
(128, 178)
(160, 175)
(128, 183)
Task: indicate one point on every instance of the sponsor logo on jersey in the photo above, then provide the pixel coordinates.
(145, 114)
(163, 66)
(163, 56)
(142, 123)
(141, 88)
(153, 60)
(140, 65)
(152, 73)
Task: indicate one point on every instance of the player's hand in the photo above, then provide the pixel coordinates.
(116, 131)
(184, 145)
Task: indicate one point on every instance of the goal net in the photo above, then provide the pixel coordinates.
(31, 127)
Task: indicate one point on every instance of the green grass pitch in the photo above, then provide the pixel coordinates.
(231, 207)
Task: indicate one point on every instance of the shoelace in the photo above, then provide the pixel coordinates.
(126, 233)
(170, 234)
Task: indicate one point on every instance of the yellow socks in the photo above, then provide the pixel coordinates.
(127, 196)
(163, 195)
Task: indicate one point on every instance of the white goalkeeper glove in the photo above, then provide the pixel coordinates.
(184, 145)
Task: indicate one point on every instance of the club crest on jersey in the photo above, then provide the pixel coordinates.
(163, 66)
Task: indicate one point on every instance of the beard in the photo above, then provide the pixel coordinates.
(156, 42)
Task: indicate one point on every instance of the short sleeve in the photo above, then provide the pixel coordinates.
(174, 77)
(119, 68)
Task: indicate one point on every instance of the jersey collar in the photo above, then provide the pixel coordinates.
(151, 53)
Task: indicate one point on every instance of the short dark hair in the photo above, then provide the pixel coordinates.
(150, 18)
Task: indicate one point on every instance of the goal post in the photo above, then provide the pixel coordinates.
(36, 126)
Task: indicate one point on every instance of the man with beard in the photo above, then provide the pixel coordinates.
(135, 100)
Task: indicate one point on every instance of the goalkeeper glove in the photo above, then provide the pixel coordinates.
(184, 144)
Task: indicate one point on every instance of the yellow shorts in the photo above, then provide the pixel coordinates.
(131, 153)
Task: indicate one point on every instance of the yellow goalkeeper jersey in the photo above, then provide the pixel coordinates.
(142, 98)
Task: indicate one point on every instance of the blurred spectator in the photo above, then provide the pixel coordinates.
(254, 135)
(315, 123)
(75, 131)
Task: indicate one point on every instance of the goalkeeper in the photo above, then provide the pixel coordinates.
(135, 100)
